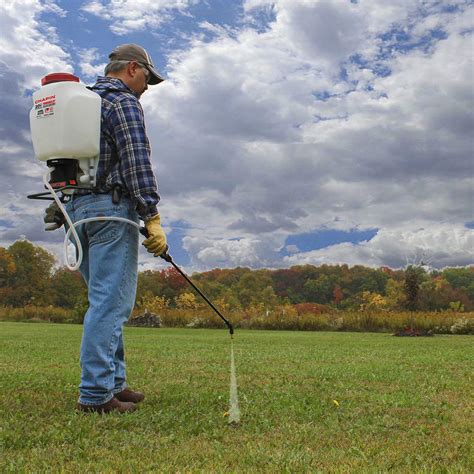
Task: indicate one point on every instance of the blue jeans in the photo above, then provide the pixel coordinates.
(110, 268)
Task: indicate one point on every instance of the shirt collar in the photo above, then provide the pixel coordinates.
(107, 82)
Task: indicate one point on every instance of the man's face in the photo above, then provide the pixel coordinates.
(139, 80)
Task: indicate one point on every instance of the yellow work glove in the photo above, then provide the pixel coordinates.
(156, 241)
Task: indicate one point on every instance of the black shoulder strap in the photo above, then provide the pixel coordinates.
(114, 159)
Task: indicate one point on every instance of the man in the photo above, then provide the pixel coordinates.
(126, 187)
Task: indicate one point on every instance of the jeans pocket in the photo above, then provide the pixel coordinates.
(105, 231)
(101, 231)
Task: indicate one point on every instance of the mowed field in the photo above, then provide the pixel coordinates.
(310, 401)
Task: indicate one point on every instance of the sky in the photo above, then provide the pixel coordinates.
(287, 132)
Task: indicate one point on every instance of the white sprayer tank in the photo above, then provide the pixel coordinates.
(65, 123)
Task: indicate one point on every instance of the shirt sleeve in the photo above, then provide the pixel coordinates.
(128, 129)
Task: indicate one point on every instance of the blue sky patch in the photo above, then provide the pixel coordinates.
(220, 12)
(85, 30)
(322, 96)
(175, 242)
(324, 238)
(6, 224)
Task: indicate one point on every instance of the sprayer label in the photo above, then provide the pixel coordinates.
(48, 99)
(44, 106)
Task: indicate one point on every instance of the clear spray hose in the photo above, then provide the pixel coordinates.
(72, 225)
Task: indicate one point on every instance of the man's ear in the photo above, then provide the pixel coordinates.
(132, 68)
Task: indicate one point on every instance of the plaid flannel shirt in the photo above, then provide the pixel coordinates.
(124, 146)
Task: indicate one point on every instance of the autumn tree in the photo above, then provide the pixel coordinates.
(373, 301)
(155, 304)
(68, 289)
(31, 282)
(461, 278)
(186, 301)
(319, 290)
(268, 298)
(7, 271)
(413, 278)
(395, 294)
(337, 295)
(251, 286)
(438, 294)
(167, 283)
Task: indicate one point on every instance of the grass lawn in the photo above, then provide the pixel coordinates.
(405, 404)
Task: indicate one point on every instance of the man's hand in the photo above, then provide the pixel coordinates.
(53, 218)
(156, 241)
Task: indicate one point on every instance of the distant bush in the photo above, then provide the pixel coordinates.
(285, 317)
(311, 308)
(50, 314)
(146, 319)
(463, 326)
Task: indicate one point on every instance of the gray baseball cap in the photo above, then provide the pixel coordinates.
(133, 52)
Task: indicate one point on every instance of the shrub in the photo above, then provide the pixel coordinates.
(36, 313)
(280, 318)
(463, 326)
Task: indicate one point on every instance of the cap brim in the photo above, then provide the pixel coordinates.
(155, 78)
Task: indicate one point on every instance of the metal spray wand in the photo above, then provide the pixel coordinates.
(167, 257)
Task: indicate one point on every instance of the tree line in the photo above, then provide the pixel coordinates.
(29, 276)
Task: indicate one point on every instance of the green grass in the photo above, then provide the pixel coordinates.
(405, 403)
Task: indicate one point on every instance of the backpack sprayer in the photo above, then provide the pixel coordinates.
(65, 131)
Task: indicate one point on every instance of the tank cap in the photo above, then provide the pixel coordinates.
(58, 77)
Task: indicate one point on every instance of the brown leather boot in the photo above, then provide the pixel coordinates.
(128, 395)
(113, 405)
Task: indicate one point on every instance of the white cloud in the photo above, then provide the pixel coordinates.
(258, 125)
(127, 16)
(28, 51)
(27, 44)
(436, 245)
(323, 31)
(439, 246)
(52, 7)
(247, 252)
(87, 58)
